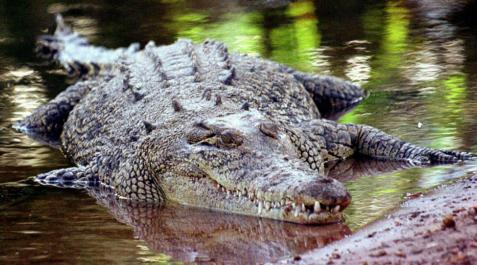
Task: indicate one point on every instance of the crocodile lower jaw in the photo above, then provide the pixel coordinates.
(286, 209)
(205, 192)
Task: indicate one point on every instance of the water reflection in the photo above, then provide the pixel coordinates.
(22, 92)
(195, 235)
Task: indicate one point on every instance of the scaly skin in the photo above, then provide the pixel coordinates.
(195, 124)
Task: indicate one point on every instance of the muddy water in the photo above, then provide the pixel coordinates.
(420, 65)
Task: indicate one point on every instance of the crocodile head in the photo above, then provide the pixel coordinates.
(244, 163)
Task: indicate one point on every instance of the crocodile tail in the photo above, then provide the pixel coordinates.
(75, 53)
(51, 46)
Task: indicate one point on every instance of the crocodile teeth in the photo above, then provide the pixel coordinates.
(260, 206)
(336, 209)
(317, 207)
(298, 208)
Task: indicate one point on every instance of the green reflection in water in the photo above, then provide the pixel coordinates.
(377, 195)
(292, 43)
(449, 104)
(386, 65)
(241, 31)
(393, 46)
(288, 42)
(455, 92)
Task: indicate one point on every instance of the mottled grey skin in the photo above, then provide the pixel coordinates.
(195, 124)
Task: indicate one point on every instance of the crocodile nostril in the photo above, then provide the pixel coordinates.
(326, 180)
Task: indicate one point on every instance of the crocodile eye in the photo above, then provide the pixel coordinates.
(269, 129)
(230, 138)
(200, 132)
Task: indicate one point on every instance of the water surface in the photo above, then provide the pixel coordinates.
(419, 65)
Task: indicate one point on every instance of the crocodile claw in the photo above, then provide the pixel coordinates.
(432, 156)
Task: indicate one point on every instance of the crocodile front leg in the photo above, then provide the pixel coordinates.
(339, 141)
(375, 143)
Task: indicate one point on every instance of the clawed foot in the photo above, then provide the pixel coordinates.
(66, 177)
(432, 156)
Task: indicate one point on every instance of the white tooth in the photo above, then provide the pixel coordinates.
(303, 207)
(298, 207)
(297, 211)
(317, 207)
(313, 216)
(293, 205)
(336, 209)
(282, 202)
(260, 205)
(260, 195)
(267, 205)
(239, 193)
(244, 193)
(218, 186)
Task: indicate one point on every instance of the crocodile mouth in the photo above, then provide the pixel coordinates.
(287, 209)
(254, 203)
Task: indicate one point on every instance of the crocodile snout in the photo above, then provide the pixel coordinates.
(327, 190)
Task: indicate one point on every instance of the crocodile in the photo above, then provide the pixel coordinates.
(201, 126)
